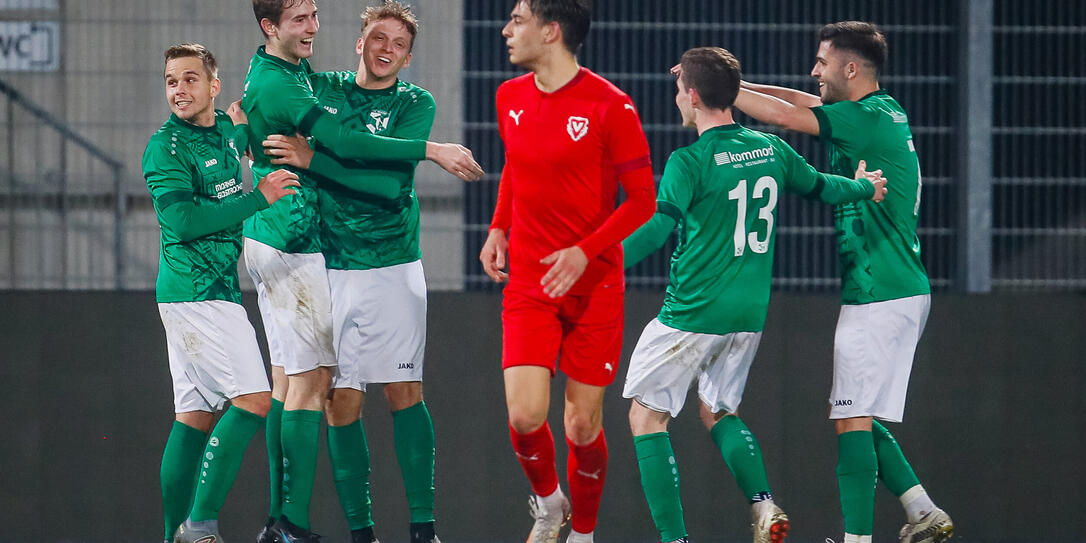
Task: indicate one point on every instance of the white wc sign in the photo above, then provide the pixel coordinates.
(29, 46)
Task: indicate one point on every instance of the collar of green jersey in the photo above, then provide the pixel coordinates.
(722, 128)
(185, 124)
(877, 92)
(263, 53)
(386, 91)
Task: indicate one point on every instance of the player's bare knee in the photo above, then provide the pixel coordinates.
(200, 420)
(644, 420)
(280, 383)
(343, 406)
(583, 428)
(525, 420)
(257, 403)
(403, 395)
(709, 419)
(854, 424)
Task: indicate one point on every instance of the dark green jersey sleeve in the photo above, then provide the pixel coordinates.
(382, 178)
(241, 137)
(356, 144)
(170, 184)
(675, 194)
(802, 178)
(376, 182)
(191, 221)
(648, 237)
(417, 120)
(847, 124)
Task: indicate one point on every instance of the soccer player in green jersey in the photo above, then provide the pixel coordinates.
(371, 248)
(884, 286)
(193, 173)
(721, 192)
(282, 248)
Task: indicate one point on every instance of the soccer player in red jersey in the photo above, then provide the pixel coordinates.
(571, 137)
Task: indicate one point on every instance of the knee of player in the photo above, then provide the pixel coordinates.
(403, 395)
(525, 421)
(583, 428)
(342, 412)
(258, 404)
(709, 419)
(646, 421)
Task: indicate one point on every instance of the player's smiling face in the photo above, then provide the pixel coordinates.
(385, 47)
(524, 36)
(830, 70)
(292, 38)
(190, 91)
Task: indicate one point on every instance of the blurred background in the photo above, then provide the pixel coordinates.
(995, 420)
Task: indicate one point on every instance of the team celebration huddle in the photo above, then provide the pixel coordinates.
(330, 236)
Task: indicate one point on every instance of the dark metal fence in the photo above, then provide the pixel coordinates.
(62, 207)
(1037, 205)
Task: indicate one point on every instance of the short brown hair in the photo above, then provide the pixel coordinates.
(184, 50)
(574, 17)
(714, 73)
(392, 9)
(858, 37)
(272, 10)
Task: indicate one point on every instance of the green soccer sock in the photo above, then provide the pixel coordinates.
(744, 457)
(351, 471)
(222, 460)
(273, 436)
(413, 433)
(660, 481)
(857, 470)
(301, 440)
(894, 469)
(180, 466)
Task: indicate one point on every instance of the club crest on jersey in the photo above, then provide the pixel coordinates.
(577, 127)
(380, 121)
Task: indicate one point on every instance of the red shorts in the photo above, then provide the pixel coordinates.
(584, 330)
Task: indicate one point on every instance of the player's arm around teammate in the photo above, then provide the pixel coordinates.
(884, 284)
(193, 172)
(710, 325)
(371, 247)
(289, 29)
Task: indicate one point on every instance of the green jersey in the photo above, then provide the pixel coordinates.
(878, 249)
(361, 231)
(722, 191)
(194, 176)
(278, 99)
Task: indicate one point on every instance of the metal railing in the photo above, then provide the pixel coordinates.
(1000, 143)
(62, 206)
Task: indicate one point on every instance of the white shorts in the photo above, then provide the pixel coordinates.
(873, 356)
(292, 292)
(213, 354)
(379, 324)
(666, 362)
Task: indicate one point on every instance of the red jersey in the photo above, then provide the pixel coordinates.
(565, 154)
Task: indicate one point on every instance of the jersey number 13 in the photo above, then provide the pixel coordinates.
(765, 213)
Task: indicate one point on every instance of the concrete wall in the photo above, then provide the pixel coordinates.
(993, 426)
(109, 89)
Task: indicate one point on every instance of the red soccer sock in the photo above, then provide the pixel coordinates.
(586, 470)
(535, 450)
